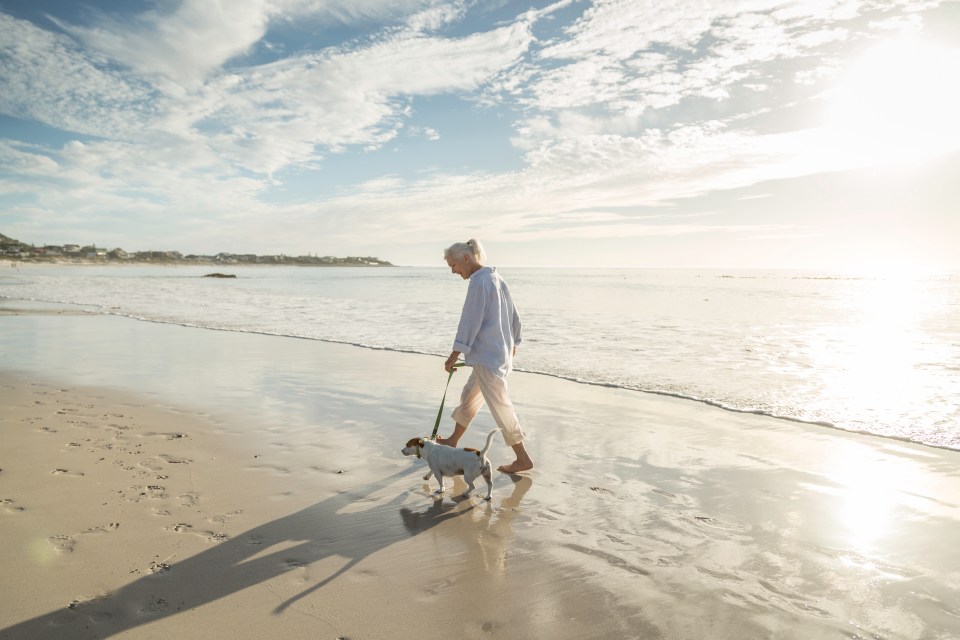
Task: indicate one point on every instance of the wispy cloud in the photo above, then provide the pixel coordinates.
(48, 78)
(168, 117)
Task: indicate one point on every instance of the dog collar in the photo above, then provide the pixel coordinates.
(419, 447)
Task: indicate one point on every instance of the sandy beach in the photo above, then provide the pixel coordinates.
(159, 481)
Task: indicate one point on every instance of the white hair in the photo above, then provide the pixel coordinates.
(470, 247)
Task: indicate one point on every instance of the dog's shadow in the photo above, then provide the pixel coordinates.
(329, 528)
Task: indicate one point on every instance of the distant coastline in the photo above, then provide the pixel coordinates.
(16, 251)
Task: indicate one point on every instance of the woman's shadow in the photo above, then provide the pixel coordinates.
(326, 529)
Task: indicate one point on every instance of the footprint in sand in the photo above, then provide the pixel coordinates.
(9, 506)
(62, 544)
(85, 608)
(159, 567)
(155, 491)
(154, 606)
(221, 520)
(67, 472)
(66, 544)
(153, 464)
(158, 463)
(189, 499)
(209, 536)
(113, 526)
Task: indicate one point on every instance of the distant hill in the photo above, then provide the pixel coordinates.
(7, 240)
(12, 249)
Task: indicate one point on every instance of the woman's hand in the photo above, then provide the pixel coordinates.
(452, 360)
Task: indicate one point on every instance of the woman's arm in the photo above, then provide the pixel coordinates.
(452, 360)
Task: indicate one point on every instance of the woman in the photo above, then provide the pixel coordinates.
(487, 336)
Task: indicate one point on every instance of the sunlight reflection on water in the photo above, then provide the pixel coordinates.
(880, 355)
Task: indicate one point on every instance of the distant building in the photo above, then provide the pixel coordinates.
(14, 249)
(163, 256)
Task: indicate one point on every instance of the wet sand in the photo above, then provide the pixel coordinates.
(159, 481)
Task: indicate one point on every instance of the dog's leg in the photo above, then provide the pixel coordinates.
(487, 476)
(438, 474)
(470, 485)
(429, 473)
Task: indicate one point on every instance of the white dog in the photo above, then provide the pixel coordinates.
(447, 461)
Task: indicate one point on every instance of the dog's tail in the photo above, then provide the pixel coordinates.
(486, 447)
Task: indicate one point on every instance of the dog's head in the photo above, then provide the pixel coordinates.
(413, 447)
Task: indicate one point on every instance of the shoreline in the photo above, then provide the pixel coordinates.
(181, 263)
(28, 307)
(640, 506)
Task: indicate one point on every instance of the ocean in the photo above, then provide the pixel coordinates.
(876, 355)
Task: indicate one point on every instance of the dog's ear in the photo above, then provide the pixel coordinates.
(415, 442)
(420, 443)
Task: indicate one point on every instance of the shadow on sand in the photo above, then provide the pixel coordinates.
(310, 535)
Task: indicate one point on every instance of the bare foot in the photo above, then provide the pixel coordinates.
(522, 463)
(458, 431)
(516, 466)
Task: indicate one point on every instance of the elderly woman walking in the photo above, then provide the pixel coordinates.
(487, 336)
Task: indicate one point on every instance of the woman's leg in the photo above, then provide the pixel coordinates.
(471, 399)
(494, 391)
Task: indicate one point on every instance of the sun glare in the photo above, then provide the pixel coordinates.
(897, 104)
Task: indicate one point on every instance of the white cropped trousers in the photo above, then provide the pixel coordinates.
(485, 385)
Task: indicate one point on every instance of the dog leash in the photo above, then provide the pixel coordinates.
(436, 426)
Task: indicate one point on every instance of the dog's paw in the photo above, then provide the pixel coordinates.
(488, 498)
(438, 492)
(427, 477)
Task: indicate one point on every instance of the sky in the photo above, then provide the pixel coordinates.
(814, 134)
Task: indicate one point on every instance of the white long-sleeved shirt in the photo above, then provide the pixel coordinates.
(489, 323)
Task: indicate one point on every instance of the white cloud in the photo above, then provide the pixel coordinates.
(273, 116)
(260, 118)
(179, 134)
(195, 38)
(426, 132)
(47, 78)
(628, 57)
(436, 17)
(183, 45)
(568, 188)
